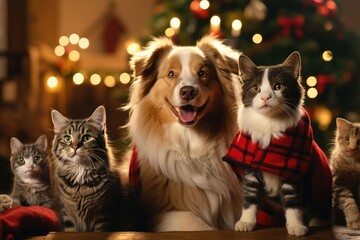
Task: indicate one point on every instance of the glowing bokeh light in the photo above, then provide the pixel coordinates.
(95, 79)
(78, 78)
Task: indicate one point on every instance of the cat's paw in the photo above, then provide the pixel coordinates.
(353, 224)
(242, 226)
(6, 202)
(297, 230)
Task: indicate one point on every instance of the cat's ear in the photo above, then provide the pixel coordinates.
(41, 143)
(246, 66)
(293, 62)
(58, 120)
(343, 125)
(15, 145)
(99, 116)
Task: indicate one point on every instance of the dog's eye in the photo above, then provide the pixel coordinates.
(202, 74)
(171, 74)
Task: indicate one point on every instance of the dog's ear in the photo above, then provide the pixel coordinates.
(220, 53)
(144, 64)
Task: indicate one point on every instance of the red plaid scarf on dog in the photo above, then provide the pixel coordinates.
(294, 156)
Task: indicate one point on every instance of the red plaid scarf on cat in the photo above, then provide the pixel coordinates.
(294, 156)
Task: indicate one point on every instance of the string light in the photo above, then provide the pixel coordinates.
(74, 38)
(204, 4)
(52, 82)
(95, 79)
(311, 81)
(327, 56)
(109, 81)
(257, 38)
(175, 23)
(78, 78)
(74, 56)
(84, 43)
(63, 40)
(312, 92)
(124, 78)
(59, 51)
(215, 21)
(170, 32)
(132, 48)
(236, 28)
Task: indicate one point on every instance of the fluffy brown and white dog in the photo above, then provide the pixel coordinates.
(182, 120)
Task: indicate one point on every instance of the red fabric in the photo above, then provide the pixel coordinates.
(23, 222)
(134, 170)
(294, 156)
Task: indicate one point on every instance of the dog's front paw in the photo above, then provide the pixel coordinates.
(6, 202)
(353, 224)
(297, 230)
(244, 226)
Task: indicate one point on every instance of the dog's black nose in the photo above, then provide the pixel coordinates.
(188, 92)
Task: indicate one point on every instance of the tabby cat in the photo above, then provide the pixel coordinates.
(271, 151)
(29, 163)
(90, 193)
(345, 166)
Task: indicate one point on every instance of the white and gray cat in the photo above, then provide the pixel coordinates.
(31, 184)
(345, 166)
(270, 117)
(90, 193)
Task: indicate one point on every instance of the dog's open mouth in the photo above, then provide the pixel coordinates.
(187, 114)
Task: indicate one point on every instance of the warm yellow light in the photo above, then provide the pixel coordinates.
(257, 38)
(84, 43)
(133, 48)
(327, 56)
(215, 21)
(169, 32)
(323, 116)
(124, 78)
(74, 56)
(78, 78)
(52, 82)
(175, 23)
(236, 25)
(95, 79)
(312, 92)
(59, 51)
(74, 38)
(328, 26)
(63, 40)
(311, 81)
(109, 81)
(204, 4)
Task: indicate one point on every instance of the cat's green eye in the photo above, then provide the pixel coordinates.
(86, 138)
(67, 138)
(278, 87)
(20, 160)
(256, 88)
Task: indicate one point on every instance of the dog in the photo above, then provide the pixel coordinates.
(182, 118)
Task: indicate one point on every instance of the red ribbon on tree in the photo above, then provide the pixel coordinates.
(288, 22)
(323, 80)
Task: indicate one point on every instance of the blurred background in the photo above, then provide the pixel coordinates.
(72, 55)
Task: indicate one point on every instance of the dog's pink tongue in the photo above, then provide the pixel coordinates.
(187, 116)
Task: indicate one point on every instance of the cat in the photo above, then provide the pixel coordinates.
(274, 146)
(89, 192)
(29, 164)
(345, 166)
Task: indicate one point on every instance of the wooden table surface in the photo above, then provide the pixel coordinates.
(335, 232)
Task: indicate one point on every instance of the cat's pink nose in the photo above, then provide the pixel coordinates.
(265, 97)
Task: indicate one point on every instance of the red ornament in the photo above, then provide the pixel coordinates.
(323, 80)
(198, 11)
(112, 32)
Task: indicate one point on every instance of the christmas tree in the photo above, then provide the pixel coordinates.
(268, 31)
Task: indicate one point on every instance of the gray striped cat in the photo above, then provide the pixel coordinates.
(345, 166)
(29, 163)
(90, 193)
